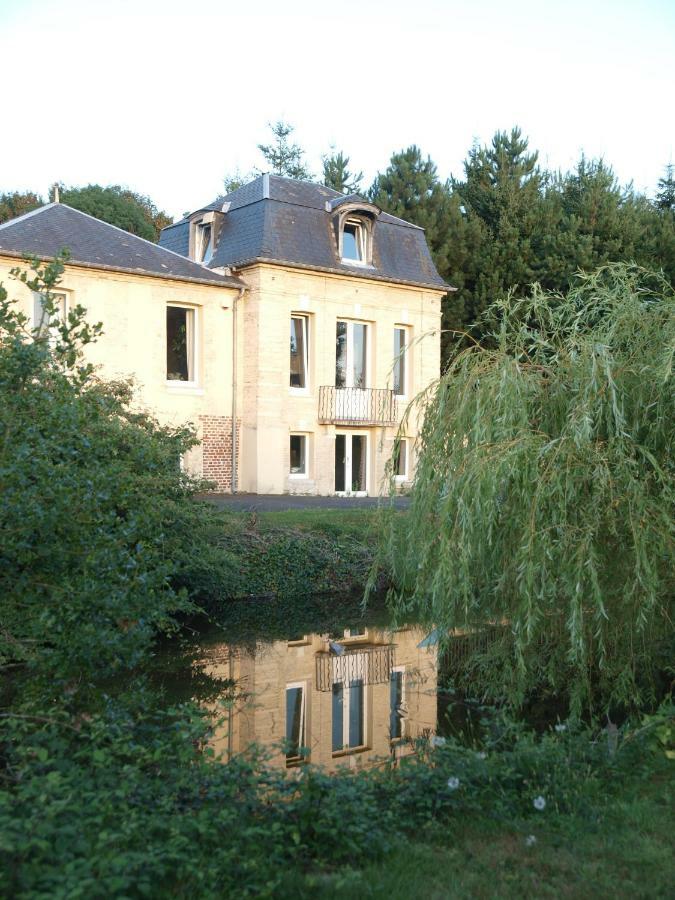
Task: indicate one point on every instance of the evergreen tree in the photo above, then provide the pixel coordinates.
(665, 197)
(235, 180)
(283, 157)
(502, 190)
(336, 173)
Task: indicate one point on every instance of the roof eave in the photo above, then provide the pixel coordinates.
(441, 288)
(227, 281)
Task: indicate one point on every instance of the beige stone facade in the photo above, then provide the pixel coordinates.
(272, 410)
(252, 386)
(292, 698)
(132, 309)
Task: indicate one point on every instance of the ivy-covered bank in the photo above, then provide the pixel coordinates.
(298, 553)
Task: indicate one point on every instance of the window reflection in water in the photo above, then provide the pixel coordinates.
(346, 699)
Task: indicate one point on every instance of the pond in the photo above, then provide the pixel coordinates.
(339, 691)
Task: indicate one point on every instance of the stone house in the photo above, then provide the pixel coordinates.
(292, 324)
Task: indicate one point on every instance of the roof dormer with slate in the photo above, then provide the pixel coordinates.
(305, 225)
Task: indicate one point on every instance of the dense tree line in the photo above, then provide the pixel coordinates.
(508, 223)
(505, 223)
(117, 205)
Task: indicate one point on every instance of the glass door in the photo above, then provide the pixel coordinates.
(351, 464)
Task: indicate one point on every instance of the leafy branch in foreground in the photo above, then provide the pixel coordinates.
(543, 501)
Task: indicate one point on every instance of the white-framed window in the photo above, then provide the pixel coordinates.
(181, 345)
(397, 710)
(401, 460)
(296, 722)
(45, 324)
(299, 359)
(203, 242)
(351, 463)
(351, 354)
(349, 716)
(400, 361)
(298, 449)
(354, 242)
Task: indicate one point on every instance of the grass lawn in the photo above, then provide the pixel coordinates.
(627, 852)
(348, 522)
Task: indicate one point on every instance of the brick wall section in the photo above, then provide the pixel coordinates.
(217, 450)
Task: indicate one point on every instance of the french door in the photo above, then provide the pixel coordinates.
(351, 464)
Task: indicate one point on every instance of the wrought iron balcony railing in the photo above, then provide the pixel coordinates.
(357, 406)
(370, 665)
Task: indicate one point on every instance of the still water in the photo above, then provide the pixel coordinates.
(349, 696)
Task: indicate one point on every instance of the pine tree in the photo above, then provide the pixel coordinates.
(283, 157)
(501, 199)
(336, 173)
(665, 197)
(410, 189)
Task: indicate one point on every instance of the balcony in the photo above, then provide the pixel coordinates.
(357, 406)
(372, 664)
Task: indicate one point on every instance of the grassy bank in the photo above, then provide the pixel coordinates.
(626, 850)
(294, 553)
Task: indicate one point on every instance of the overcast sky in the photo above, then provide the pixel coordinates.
(168, 97)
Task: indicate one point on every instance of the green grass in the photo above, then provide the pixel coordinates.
(627, 851)
(348, 522)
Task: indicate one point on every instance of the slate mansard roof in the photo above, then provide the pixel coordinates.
(96, 244)
(285, 221)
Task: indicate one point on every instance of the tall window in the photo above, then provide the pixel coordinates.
(180, 344)
(349, 715)
(298, 448)
(295, 722)
(400, 373)
(354, 241)
(396, 709)
(299, 352)
(204, 242)
(401, 460)
(44, 322)
(351, 355)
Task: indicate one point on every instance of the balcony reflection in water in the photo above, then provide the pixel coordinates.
(347, 699)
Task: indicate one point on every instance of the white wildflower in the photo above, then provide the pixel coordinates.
(437, 741)
(481, 754)
(453, 783)
(539, 802)
(530, 840)
(560, 727)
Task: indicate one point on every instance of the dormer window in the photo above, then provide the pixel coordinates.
(204, 229)
(353, 221)
(204, 242)
(354, 241)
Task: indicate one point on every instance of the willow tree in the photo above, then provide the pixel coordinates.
(542, 512)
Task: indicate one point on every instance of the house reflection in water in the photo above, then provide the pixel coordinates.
(333, 700)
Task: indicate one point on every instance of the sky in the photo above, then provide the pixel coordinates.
(169, 97)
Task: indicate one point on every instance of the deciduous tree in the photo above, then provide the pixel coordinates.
(543, 507)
